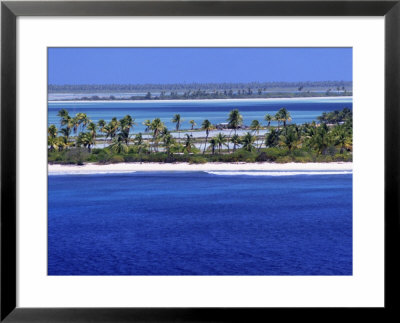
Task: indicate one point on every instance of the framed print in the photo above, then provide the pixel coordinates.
(197, 160)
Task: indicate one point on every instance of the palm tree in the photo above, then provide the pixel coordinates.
(79, 119)
(66, 133)
(168, 141)
(323, 117)
(139, 142)
(235, 119)
(236, 141)
(66, 120)
(248, 141)
(75, 124)
(55, 143)
(157, 126)
(188, 143)
(83, 120)
(283, 116)
(268, 118)
(113, 126)
(320, 140)
(277, 117)
(85, 139)
(52, 142)
(256, 127)
(118, 146)
(272, 138)
(289, 138)
(177, 119)
(207, 126)
(342, 139)
(92, 127)
(213, 144)
(61, 143)
(221, 140)
(138, 139)
(52, 131)
(192, 123)
(147, 124)
(108, 130)
(126, 124)
(101, 123)
(63, 113)
(164, 132)
(65, 117)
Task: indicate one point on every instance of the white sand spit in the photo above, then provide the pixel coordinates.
(209, 100)
(142, 167)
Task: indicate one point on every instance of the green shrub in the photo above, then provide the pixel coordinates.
(262, 157)
(345, 157)
(242, 155)
(332, 150)
(103, 157)
(303, 159)
(96, 151)
(274, 153)
(324, 159)
(117, 159)
(76, 156)
(197, 160)
(92, 158)
(284, 159)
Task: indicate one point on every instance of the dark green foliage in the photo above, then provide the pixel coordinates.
(117, 159)
(262, 157)
(313, 142)
(198, 160)
(72, 156)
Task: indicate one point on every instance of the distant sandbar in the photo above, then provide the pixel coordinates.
(208, 100)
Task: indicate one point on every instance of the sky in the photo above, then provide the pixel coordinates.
(202, 65)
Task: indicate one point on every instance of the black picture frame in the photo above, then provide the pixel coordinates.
(10, 10)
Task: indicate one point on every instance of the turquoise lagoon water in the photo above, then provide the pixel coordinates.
(304, 110)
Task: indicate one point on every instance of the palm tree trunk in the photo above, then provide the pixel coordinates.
(260, 146)
(229, 139)
(205, 145)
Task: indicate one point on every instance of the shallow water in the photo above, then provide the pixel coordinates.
(304, 110)
(200, 223)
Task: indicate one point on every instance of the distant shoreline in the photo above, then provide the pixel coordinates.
(207, 100)
(91, 168)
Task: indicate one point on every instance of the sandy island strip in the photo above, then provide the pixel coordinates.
(207, 100)
(138, 167)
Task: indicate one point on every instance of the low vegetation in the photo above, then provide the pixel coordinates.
(328, 140)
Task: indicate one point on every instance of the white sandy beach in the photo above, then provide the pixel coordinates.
(206, 100)
(143, 167)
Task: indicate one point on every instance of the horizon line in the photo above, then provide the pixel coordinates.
(203, 83)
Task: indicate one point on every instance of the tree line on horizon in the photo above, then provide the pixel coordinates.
(194, 86)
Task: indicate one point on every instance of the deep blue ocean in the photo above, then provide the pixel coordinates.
(304, 110)
(199, 223)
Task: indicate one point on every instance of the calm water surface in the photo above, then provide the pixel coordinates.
(305, 110)
(199, 223)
